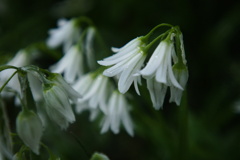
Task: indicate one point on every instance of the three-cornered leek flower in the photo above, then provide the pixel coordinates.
(57, 96)
(22, 58)
(127, 61)
(29, 129)
(164, 69)
(95, 89)
(66, 34)
(180, 71)
(117, 113)
(70, 65)
(160, 65)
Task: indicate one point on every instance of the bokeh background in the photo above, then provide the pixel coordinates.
(211, 36)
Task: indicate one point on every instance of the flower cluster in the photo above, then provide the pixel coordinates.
(74, 84)
(99, 97)
(77, 43)
(166, 66)
(58, 96)
(95, 87)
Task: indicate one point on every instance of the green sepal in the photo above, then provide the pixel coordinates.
(27, 97)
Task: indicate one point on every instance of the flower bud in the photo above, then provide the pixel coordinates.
(58, 105)
(181, 75)
(99, 156)
(29, 129)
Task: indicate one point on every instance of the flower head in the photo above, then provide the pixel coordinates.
(58, 104)
(127, 61)
(22, 58)
(29, 129)
(70, 65)
(66, 34)
(117, 113)
(95, 90)
(160, 65)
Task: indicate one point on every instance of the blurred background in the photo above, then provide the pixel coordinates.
(211, 36)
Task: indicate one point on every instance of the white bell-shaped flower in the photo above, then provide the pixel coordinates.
(127, 61)
(95, 90)
(117, 113)
(29, 129)
(70, 65)
(66, 34)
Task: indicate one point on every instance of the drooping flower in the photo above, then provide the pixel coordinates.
(66, 34)
(95, 90)
(157, 92)
(181, 74)
(29, 129)
(160, 65)
(166, 68)
(58, 106)
(22, 58)
(89, 47)
(127, 61)
(117, 113)
(71, 64)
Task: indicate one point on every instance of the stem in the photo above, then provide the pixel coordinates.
(155, 40)
(7, 67)
(7, 81)
(183, 126)
(160, 25)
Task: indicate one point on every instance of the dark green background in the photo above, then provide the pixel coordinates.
(211, 36)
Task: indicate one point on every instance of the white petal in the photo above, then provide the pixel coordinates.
(129, 46)
(126, 77)
(113, 61)
(157, 92)
(155, 60)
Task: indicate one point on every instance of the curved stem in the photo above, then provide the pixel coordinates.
(155, 40)
(160, 25)
(7, 67)
(7, 81)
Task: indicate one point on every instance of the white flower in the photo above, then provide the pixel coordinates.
(160, 65)
(89, 48)
(127, 61)
(95, 90)
(66, 34)
(22, 58)
(157, 92)
(117, 113)
(29, 129)
(181, 74)
(58, 106)
(70, 65)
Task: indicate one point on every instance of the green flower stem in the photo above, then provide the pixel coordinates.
(155, 40)
(183, 128)
(7, 67)
(158, 26)
(7, 81)
(83, 19)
